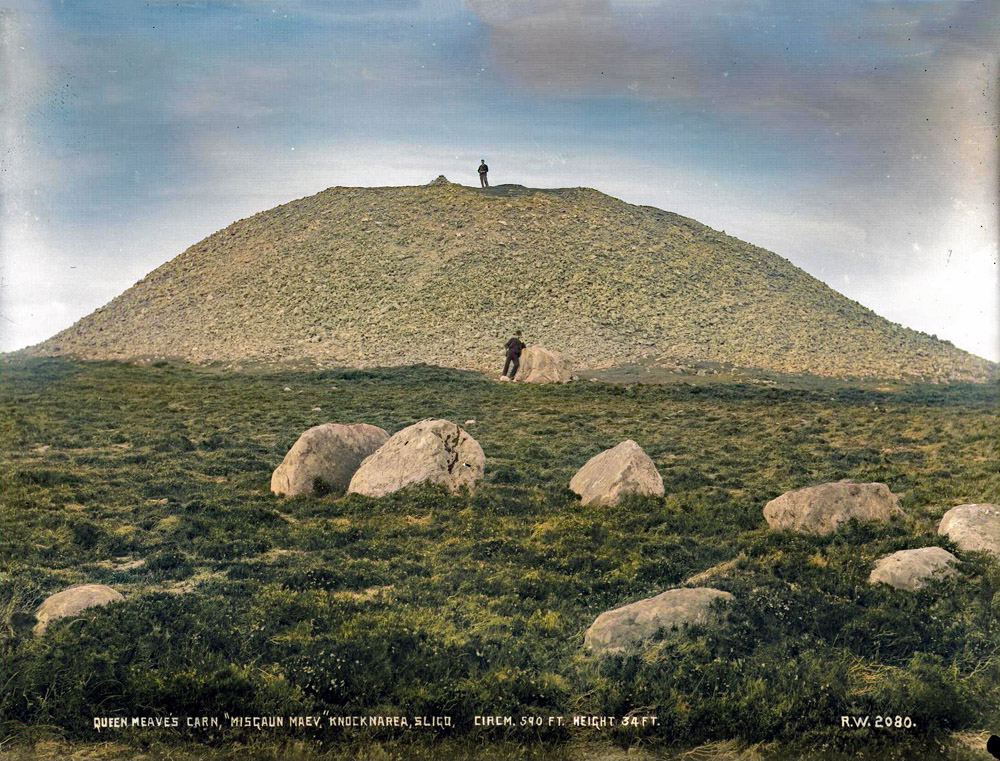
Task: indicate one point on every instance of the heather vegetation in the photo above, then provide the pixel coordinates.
(428, 604)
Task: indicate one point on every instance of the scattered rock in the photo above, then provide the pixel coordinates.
(327, 454)
(129, 565)
(610, 475)
(614, 630)
(431, 451)
(973, 527)
(540, 365)
(911, 569)
(272, 556)
(439, 263)
(716, 573)
(820, 509)
(71, 601)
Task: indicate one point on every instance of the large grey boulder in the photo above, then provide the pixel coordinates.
(539, 365)
(911, 569)
(327, 454)
(615, 630)
(973, 527)
(72, 601)
(610, 475)
(431, 451)
(820, 509)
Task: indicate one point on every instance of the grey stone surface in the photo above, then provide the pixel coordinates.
(973, 527)
(610, 475)
(328, 453)
(820, 509)
(431, 451)
(911, 569)
(72, 601)
(614, 630)
(540, 365)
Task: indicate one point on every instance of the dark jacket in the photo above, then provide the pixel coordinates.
(514, 347)
(483, 169)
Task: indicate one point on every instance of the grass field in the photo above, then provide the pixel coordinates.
(428, 604)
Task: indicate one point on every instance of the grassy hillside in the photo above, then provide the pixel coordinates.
(424, 603)
(442, 274)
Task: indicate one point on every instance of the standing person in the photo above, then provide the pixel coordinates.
(483, 169)
(514, 348)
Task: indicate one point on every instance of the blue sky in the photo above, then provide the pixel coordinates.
(857, 139)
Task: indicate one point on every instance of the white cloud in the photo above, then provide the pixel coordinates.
(828, 207)
(956, 300)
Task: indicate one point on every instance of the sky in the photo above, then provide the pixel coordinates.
(856, 138)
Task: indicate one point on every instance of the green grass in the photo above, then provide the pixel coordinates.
(425, 603)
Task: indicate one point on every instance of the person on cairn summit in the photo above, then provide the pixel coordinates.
(514, 348)
(483, 169)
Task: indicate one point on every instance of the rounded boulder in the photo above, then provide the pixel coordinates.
(540, 365)
(72, 601)
(326, 456)
(431, 451)
(610, 475)
(617, 629)
(973, 527)
(820, 509)
(912, 569)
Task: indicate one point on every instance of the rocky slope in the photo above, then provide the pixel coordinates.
(443, 273)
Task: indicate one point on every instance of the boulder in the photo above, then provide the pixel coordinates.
(540, 365)
(431, 451)
(328, 455)
(973, 527)
(911, 569)
(820, 509)
(72, 601)
(610, 475)
(614, 630)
